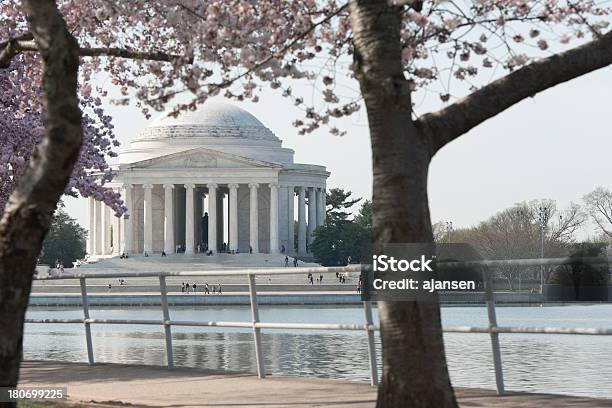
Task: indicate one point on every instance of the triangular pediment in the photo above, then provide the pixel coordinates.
(200, 158)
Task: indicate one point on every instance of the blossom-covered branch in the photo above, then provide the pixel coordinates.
(13, 47)
(486, 102)
(21, 125)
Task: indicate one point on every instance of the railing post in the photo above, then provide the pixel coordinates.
(497, 362)
(90, 351)
(261, 371)
(166, 316)
(367, 308)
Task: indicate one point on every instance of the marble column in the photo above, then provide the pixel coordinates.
(290, 221)
(274, 218)
(169, 246)
(319, 212)
(302, 221)
(220, 221)
(198, 204)
(98, 227)
(323, 205)
(128, 222)
(189, 219)
(105, 230)
(212, 217)
(91, 242)
(233, 217)
(121, 234)
(148, 218)
(312, 213)
(253, 218)
(116, 236)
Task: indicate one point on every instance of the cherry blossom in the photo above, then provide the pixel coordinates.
(21, 126)
(154, 51)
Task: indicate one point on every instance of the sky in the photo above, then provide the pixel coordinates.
(556, 145)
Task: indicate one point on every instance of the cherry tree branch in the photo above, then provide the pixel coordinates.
(11, 48)
(260, 64)
(455, 120)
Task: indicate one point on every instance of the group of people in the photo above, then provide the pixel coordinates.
(295, 261)
(59, 265)
(311, 279)
(121, 283)
(203, 249)
(340, 276)
(192, 288)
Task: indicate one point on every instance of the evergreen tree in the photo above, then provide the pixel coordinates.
(65, 241)
(339, 203)
(364, 217)
(340, 237)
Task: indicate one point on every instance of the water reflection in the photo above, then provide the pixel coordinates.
(540, 363)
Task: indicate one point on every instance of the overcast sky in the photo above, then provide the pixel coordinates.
(557, 145)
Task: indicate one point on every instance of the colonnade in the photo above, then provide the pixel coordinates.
(110, 235)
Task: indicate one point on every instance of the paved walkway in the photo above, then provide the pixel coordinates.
(140, 386)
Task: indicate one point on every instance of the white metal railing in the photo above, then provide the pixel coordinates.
(256, 325)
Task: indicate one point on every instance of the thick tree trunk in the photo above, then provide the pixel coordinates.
(29, 210)
(414, 364)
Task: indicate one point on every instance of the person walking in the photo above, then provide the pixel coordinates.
(321, 278)
(194, 288)
(286, 260)
(220, 292)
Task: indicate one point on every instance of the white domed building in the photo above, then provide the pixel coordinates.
(214, 178)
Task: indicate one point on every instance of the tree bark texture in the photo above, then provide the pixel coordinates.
(414, 363)
(29, 210)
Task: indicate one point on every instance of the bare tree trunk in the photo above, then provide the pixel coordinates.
(29, 210)
(414, 363)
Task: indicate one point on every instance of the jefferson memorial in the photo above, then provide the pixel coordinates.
(210, 180)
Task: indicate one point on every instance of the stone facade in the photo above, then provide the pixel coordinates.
(210, 177)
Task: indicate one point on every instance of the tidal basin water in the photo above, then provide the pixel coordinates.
(562, 364)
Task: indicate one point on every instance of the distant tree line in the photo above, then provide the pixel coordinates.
(534, 229)
(525, 230)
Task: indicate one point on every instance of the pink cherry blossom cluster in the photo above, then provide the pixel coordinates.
(21, 127)
(478, 41)
(234, 50)
(153, 51)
